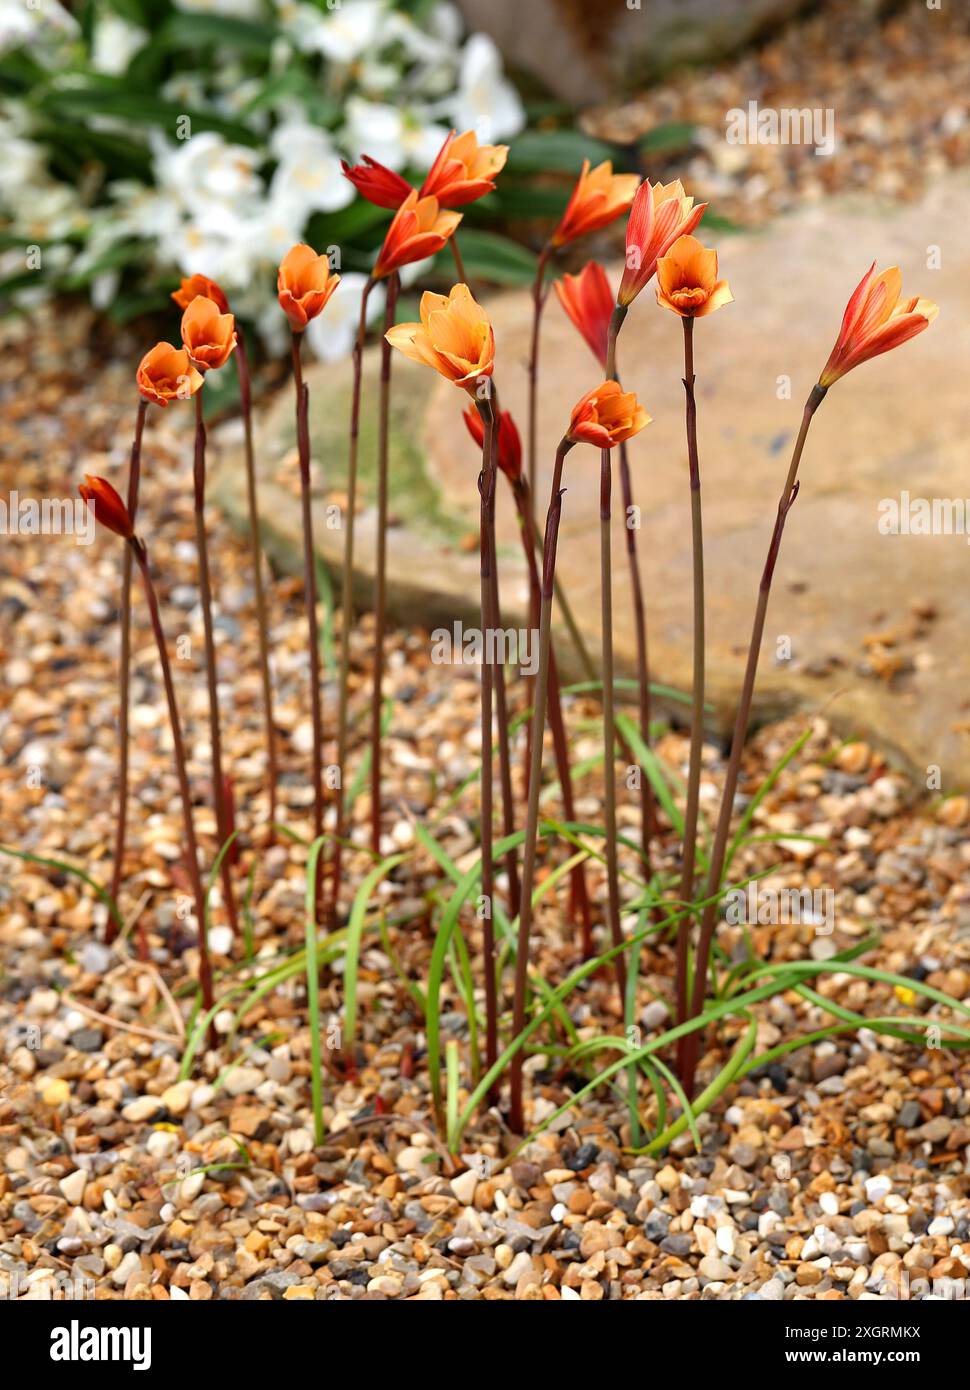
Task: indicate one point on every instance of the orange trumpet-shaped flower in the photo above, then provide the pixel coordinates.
(193, 286)
(378, 184)
(606, 416)
(687, 280)
(419, 228)
(454, 336)
(304, 285)
(207, 336)
(463, 170)
(166, 374)
(108, 506)
(588, 300)
(598, 198)
(876, 320)
(509, 443)
(660, 214)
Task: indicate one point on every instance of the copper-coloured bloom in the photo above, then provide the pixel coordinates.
(378, 184)
(165, 374)
(876, 320)
(463, 170)
(207, 336)
(660, 214)
(304, 285)
(193, 286)
(606, 416)
(588, 300)
(454, 336)
(598, 197)
(419, 228)
(108, 506)
(509, 443)
(687, 280)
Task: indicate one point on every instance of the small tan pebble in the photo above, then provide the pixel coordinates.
(954, 812)
(73, 1186)
(597, 1237)
(242, 1080)
(23, 1062)
(808, 1275)
(668, 1178)
(854, 758)
(54, 1091)
(177, 1097)
(503, 1256)
(200, 1291)
(590, 1291)
(713, 1267)
(385, 1284)
(144, 1108)
(464, 1187)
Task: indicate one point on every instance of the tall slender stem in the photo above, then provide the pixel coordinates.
(486, 488)
(192, 850)
(255, 545)
(380, 573)
(459, 263)
(211, 674)
(697, 676)
(535, 775)
(647, 813)
(124, 670)
(310, 590)
(538, 299)
(347, 600)
(719, 849)
(579, 905)
(502, 717)
(565, 609)
(609, 717)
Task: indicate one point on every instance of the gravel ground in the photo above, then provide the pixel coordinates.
(824, 1178)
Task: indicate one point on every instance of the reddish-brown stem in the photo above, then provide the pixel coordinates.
(688, 1063)
(486, 488)
(697, 678)
(502, 722)
(192, 850)
(347, 602)
(211, 674)
(459, 263)
(579, 904)
(516, 1115)
(609, 718)
(124, 680)
(255, 545)
(647, 814)
(310, 589)
(538, 299)
(380, 570)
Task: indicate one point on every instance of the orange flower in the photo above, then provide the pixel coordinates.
(418, 229)
(509, 443)
(454, 336)
(195, 285)
(304, 285)
(874, 321)
(660, 214)
(588, 300)
(207, 336)
(599, 197)
(166, 374)
(687, 280)
(463, 170)
(108, 506)
(606, 416)
(378, 184)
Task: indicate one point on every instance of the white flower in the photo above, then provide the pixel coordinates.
(331, 334)
(21, 168)
(308, 178)
(392, 135)
(34, 23)
(115, 43)
(485, 102)
(205, 170)
(342, 34)
(234, 9)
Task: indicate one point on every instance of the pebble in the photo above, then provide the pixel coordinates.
(73, 1186)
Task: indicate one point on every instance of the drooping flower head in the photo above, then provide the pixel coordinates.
(463, 170)
(419, 228)
(378, 184)
(108, 506)
(607, 415)
(687, 280)
(207, 336)
(875, 321)
(660, 214)
(454, 337)
(509, 443)
(193, 286)
(597, 199)
(304, 285)
(165, 374)
(588, 300)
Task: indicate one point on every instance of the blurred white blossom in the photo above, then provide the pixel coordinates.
(485, 102)
(115, 43)
(331, 334)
